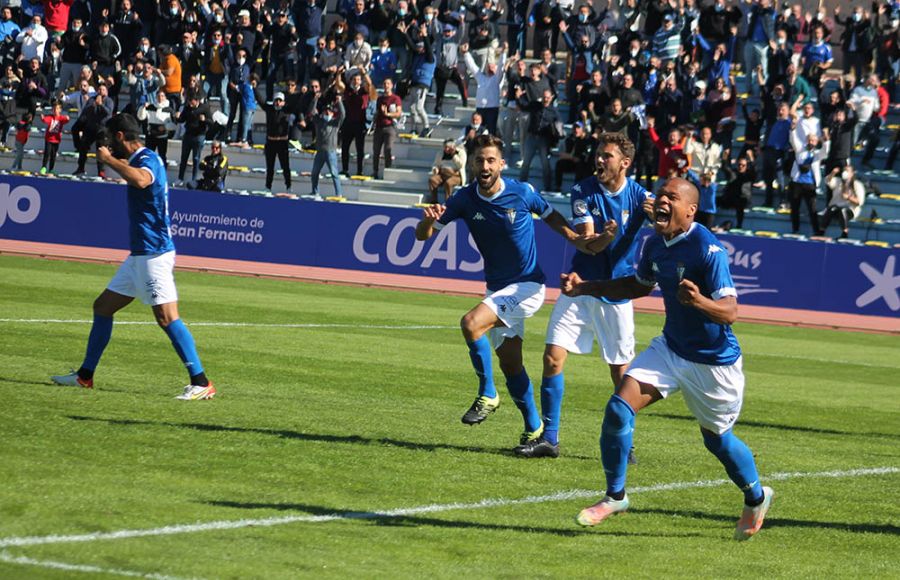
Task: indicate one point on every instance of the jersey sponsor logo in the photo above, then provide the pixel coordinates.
(579, 208)
(478, 217)
(511, 215)
(576, 188)
(400, 248)
(21, 205)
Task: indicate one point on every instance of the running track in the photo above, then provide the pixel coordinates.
(757, 314)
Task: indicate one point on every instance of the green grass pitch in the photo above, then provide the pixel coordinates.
(351, 418)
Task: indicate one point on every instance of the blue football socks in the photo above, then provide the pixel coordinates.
(184, 345)
(615, 441)
(522, 393)
(552, 389)
(101, 331)
(738, 461)
(480, 352)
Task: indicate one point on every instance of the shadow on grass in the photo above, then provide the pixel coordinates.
(25, 382)
(416, 521)
(316, 437)
(779, 522)
(799, 428)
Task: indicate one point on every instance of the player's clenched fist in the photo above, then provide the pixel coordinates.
(432, 213)
(570, 284)
(688, 293)
(103, 154)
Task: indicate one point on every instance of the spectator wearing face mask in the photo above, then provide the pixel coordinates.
(447, 53)
(487, 95)
(544, 131)
(33, 39)
(357, 56)
(237, 76)
(85, 130)
(421, 74)
(582, 64)
(159, 117)
(388, 109)
(278, 127)
(805, 177)
(816, 57)
(327, 120)
(127, 27)
(196, 118)
(738, 193)
(856, 40)
(846, 197)
(356, 97)
(384, 63)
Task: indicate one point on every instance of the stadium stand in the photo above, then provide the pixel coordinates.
(673, 65)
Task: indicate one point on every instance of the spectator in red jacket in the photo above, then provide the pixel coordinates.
(55, 123)
(670, 152)
(56, 16)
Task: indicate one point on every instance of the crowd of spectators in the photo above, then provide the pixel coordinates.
(329, 72)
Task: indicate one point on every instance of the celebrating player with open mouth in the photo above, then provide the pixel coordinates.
(498, 213)
(148, 272)
(696, 354)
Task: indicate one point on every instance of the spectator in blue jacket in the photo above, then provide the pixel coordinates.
(384, 63)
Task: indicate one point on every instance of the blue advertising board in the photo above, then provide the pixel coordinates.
(767, 272)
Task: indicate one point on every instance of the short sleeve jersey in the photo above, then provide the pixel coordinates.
(502, 228)
(591, 202)
(698, 256)
(148, 208)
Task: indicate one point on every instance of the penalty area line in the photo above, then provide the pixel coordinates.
(401, 512)
(25, 561)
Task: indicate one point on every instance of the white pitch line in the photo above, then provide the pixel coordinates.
(238, 324)
(425, 509)
(366, 327)
(25, 561)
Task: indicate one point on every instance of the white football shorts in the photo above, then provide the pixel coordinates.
(150, 278)
(575, 322)
(512, 305)
(714, 394)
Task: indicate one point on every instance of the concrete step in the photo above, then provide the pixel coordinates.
(385, 197)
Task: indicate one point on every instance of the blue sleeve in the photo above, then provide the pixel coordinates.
(151, 163)
(535, 203)
(453, 208)
(639, 194)
(644, 273)
(718, 276)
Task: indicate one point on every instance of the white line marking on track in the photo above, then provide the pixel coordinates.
(400, 512)
(314, 325)
(238, 324)
(25, 561)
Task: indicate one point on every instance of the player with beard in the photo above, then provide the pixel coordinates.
(697, 353)
(148, 272)
(498, 213)
(615, 205)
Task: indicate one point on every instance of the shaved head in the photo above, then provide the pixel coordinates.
(687, 190)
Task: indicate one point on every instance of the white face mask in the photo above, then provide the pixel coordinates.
(429, 17)
(383, 49)
(339, 30)
(857, 16)
(820, 16)
(145, 47)
(845, 175)
(781, 40)
(218, 18)
(173, 11)
(241, 61)
(895, 23)
(327, 117)
(104, 33)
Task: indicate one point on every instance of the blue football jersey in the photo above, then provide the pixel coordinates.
(591, 202)
(502, 228)
(699, 257)
(148, 208)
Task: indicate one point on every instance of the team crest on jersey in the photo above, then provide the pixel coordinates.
(511, 215)
(579, 207)
(654, 267)
(714, 248)
(625, 215)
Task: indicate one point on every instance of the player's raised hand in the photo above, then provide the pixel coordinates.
(688, 293)
(570, 284)
(648, 206)
(104, 154)
(432, 213)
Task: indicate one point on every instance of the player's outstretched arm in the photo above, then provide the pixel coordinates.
(425, 227)
(721, 311)
(134, 176)
(582, 240)
(619, 289)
